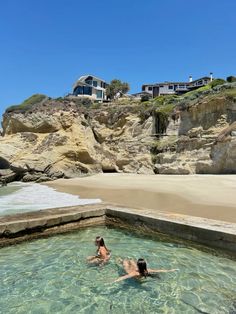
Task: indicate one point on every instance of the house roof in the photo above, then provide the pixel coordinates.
(148, 84)
(180, 83)
(81, 82)
(141, 93)
(201, 78)
(172, 83)
(82, 78)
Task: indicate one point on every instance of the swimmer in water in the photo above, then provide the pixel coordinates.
(102, 255)
(139, 269)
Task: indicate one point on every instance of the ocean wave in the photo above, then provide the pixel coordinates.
(25, 197)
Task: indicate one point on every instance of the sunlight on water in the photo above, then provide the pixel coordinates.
(52, 276)
(25, 197)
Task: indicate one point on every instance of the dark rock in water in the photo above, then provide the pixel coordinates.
(31, 177)
(36, 177)
(3, 182)
(57, 175)
(7, 175)
(43, 178)
(18, 168)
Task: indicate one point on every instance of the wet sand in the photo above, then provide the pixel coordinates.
(209, 196)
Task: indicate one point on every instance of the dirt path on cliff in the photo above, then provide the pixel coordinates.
(209, 196)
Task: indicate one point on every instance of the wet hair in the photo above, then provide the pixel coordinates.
(100, 241)
(142, 267)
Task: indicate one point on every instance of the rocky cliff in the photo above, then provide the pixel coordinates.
(202, 137)
(65, 139)
(52, 138)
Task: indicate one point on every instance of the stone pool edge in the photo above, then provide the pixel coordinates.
(28, 226)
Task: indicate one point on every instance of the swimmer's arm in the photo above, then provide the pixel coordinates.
(90, 258)
(161, 270)
(124, 277)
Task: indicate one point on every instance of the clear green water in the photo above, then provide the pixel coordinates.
(52, 276)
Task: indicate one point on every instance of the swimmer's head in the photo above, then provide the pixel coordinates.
(142, 267)
(99, 241)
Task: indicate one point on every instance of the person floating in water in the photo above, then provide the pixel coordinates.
(139, 269)
(102, 255)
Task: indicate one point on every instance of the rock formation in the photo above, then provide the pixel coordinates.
(64, 138)
(195, 141)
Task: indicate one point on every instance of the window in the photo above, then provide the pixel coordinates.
(149, 87)
(170, 86)
(99, 94)
(95, 83)
(87, 90)
(78, 90)
(89, 82)
(161, 86)
(83, 90)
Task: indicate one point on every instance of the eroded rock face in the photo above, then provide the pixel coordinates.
(204, 141)
(62, 139)
(68, 143)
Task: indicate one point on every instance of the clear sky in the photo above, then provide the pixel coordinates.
(47, 44)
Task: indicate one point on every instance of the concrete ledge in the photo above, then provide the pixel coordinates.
(32, 225)
(213, 233)
(28, 226)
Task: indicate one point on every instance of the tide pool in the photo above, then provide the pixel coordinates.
(52, 276)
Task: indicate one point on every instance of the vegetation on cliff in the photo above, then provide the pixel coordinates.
(115, 87)
(28, 103)
(47, 138)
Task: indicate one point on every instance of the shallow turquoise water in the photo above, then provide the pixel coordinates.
(52, 276)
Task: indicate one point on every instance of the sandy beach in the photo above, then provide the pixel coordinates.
(209, 196)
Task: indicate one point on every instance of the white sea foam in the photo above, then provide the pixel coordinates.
(25, 197)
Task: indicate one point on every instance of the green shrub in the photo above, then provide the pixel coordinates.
(231, 79)
(217, 82)
(196, 92)
(83, 101)
(144, 111)
(164, 144)
(28, 103)
(59, 99)
(145, 98)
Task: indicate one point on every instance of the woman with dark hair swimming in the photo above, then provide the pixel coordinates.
(102, 255)
(139, 269)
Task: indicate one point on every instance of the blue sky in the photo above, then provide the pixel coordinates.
(46, 45)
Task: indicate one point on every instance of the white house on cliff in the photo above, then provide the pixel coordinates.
(90, 86)
(170, 88)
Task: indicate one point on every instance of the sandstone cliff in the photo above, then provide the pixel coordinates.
(66, 138)
(202, 138)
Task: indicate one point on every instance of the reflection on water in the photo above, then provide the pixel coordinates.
(52, 276)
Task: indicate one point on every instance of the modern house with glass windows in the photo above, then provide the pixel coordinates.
(90, 86)
(175, 88)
